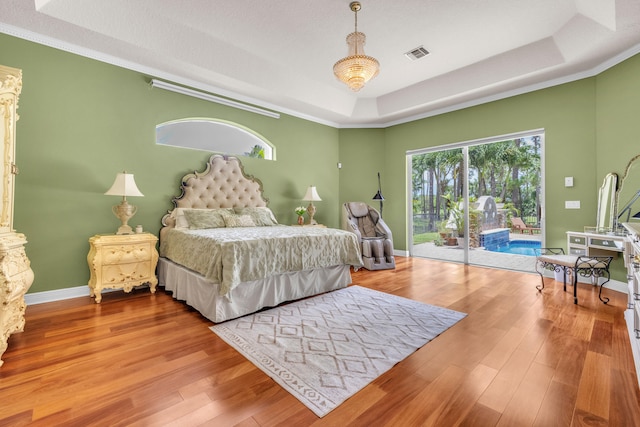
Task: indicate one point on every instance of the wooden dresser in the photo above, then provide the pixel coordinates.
(16, 275)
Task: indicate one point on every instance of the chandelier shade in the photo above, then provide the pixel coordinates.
(356, 69)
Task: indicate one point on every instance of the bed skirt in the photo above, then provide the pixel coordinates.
(247, 297)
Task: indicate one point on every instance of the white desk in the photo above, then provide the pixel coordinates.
(594, 244)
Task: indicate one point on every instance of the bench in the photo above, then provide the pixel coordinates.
(554, 259)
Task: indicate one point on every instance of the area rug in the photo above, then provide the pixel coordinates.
(324, 349)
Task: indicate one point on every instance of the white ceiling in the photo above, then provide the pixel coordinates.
(279, 54)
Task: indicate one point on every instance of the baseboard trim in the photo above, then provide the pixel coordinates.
(56, 295)
(614, 285)
(83, 291)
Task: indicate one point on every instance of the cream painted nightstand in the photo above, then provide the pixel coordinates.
(122, 262)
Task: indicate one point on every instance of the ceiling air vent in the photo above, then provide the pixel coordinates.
(417, 53)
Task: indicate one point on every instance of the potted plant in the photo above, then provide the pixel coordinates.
(442, 229)
(456, 213)
(300, 210)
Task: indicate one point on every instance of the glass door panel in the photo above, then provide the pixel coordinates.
(466, 200)
(437, 180)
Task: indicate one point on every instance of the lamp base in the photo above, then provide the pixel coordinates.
(311, 211)
(124, 212)
(125, 229)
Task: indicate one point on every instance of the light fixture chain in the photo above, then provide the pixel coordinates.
(356, 12)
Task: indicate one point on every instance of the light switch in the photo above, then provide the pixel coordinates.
(568, 181)
(572, 204)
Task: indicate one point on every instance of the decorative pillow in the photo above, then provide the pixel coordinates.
(239, 221)
(204, 218)
(178, 215)
(261, 216)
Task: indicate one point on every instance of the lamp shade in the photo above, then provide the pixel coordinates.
(124, 185)
(312, 195)
(378, 196)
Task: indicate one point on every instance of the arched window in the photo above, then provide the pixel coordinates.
(218, 136)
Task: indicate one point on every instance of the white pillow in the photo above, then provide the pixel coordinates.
(261, 216)
(181, 220)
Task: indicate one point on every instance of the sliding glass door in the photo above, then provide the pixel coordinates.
(468, 202)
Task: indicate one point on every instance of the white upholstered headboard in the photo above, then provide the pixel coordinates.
(223, 184)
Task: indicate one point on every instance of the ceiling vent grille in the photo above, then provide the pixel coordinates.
(417, 53)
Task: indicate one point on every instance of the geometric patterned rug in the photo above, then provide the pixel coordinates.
(325, 349)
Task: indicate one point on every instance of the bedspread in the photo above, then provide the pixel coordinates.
(230, 256)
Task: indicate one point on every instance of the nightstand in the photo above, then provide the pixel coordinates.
(122, 261)
(310, 225)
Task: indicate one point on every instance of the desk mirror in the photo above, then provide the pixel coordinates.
(629, 193)
(607, 204)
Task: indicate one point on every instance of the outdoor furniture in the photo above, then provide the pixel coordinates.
(517, 224)
(554, 259)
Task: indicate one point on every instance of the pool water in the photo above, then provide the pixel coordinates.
(518, 247)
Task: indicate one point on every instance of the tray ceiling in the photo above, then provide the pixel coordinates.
(279, 55)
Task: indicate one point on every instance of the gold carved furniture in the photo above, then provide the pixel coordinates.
(122, 261)
(16, 275)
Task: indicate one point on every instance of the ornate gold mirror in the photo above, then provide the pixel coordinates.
(627, 197)
(605, 221)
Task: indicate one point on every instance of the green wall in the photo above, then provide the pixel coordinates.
(617, 118)
(590, 127)
(362, 154)
(567, 115)
(82, 121)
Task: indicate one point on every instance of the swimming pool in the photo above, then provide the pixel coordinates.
(518, 247)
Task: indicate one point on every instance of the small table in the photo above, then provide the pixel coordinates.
(122, 261)
(554, 259)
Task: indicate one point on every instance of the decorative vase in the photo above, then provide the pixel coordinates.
(300, 220)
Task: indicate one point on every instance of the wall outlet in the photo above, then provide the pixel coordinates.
(572, 204)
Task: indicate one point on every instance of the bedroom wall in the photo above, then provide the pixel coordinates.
(618, 127)
(591, 128)
(618, 110)
(566, 113)
(82, 121)
(362, 157)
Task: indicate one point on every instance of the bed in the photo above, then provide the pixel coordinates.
(223, 252)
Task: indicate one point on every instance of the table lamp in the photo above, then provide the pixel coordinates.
(124, 186)
(311, 196)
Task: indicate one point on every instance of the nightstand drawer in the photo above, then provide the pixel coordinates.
(123, 273)
(126, 253)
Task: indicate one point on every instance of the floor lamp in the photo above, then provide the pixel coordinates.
(379, 197)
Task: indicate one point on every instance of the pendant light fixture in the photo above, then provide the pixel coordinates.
(356, 69)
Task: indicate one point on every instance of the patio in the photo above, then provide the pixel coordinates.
(479, 256)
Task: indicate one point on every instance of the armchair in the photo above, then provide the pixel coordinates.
(375, 237)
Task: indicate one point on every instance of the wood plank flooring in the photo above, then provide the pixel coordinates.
(520, 358)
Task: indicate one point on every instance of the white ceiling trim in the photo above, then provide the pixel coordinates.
(153, 72)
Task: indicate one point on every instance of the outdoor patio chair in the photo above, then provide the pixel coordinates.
(518, 225)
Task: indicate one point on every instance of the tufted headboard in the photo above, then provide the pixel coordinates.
(223, 184)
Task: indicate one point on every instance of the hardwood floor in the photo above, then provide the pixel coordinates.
(520, 358)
